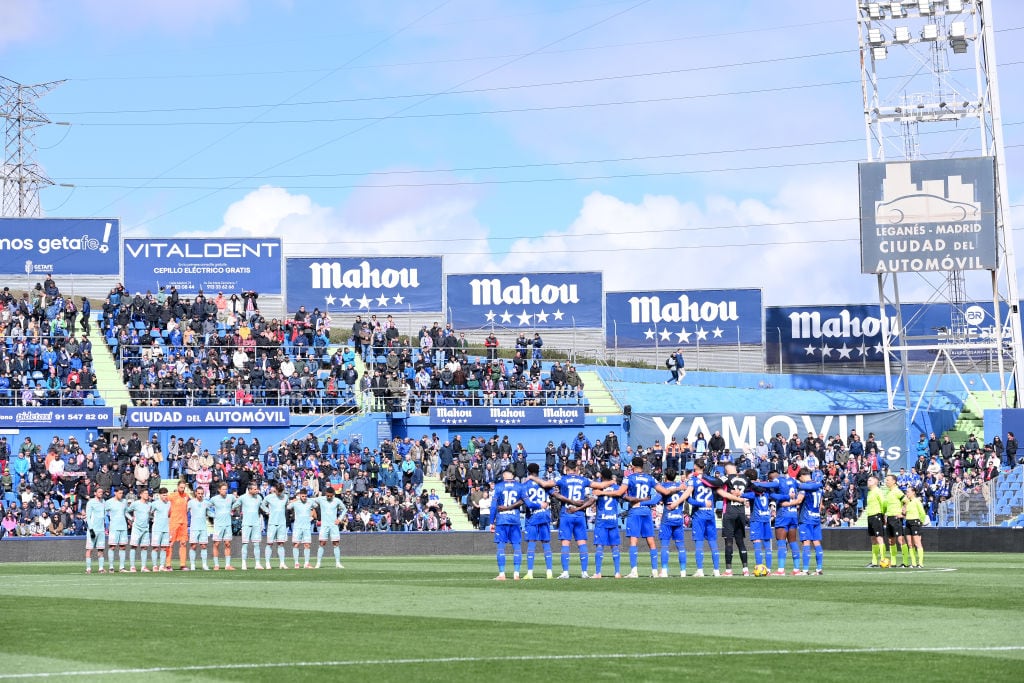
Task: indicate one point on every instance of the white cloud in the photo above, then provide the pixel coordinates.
(19, 22)
(408, 223)
(172, 16)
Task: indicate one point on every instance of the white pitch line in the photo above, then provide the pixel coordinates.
(507, 658)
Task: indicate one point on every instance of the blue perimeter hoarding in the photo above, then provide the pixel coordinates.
(212, 265)
(744, 430)
(381, 284)
(78, 246)
(530, 300)
(830, 334)
(220, 416)
(56, 418)
(711, 317)
(550, 416)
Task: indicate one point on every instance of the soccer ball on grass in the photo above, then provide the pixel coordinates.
(761, 570)
(884, 563)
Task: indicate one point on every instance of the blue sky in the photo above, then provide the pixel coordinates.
(635, 137)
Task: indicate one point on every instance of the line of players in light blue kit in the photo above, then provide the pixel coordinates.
(797, 503)
(107, 523)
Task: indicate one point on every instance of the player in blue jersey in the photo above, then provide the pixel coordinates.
(700, 493)
(275, 506)
(140, 512)
(161, 548)
(673, 528)
(198, 528)
(606, 529)
(809, 501)
(252, 526)
(330, 511)
(571, 491)
(538, 524)
(302, 508)
(760, 520)
(96, 531)
(220, 511)
(506, 501)
(117, 528)
(784, 493)
(638, 490)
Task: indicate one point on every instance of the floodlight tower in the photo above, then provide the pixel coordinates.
(22, 176)
(935, 153)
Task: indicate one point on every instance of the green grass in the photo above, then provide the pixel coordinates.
(444, 619)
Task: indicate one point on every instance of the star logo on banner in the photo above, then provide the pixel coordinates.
(702, 334)
(382, 300)
(558, 314)
(363, 302)
(683, 336)
(506, 318)
(398, 298)
(329, 299)
(346, 301)
(490, 316)
(524, 318)
(717, 332)
(542, 317)
(863, 349)
(844, 351)
(809, 350)
(665, 335)
(879, 348)
(826, 351)
(649, 333)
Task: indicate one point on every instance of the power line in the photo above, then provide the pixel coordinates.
(298, 92)
(488, 112)
(479, 58)
(504, 167)
(506, 181)
(521, 86)
(368, 125)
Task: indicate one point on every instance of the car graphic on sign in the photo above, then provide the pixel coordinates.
(925, 208)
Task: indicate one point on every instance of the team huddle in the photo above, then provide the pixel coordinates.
(146, 525)
(796, 503)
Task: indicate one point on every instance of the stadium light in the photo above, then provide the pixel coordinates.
(958, 37)
(875, 36)
(880, 52)
(954, 6)
(896, 10)
(875, 10)
(901, 34)
(924, 7)
(930, 32)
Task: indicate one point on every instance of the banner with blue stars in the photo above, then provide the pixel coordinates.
(820, 335)
(526, 300)
(378, 284)
(683, 318)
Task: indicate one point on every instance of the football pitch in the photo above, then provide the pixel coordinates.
(445, 619)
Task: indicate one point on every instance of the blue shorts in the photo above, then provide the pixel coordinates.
(607, 535)
(704, 529)
(786, 522)
(538, 532)
(810, 532)
(507, 533)
(760, 530)
(572, 527)
(674, 531)
(639, 526)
